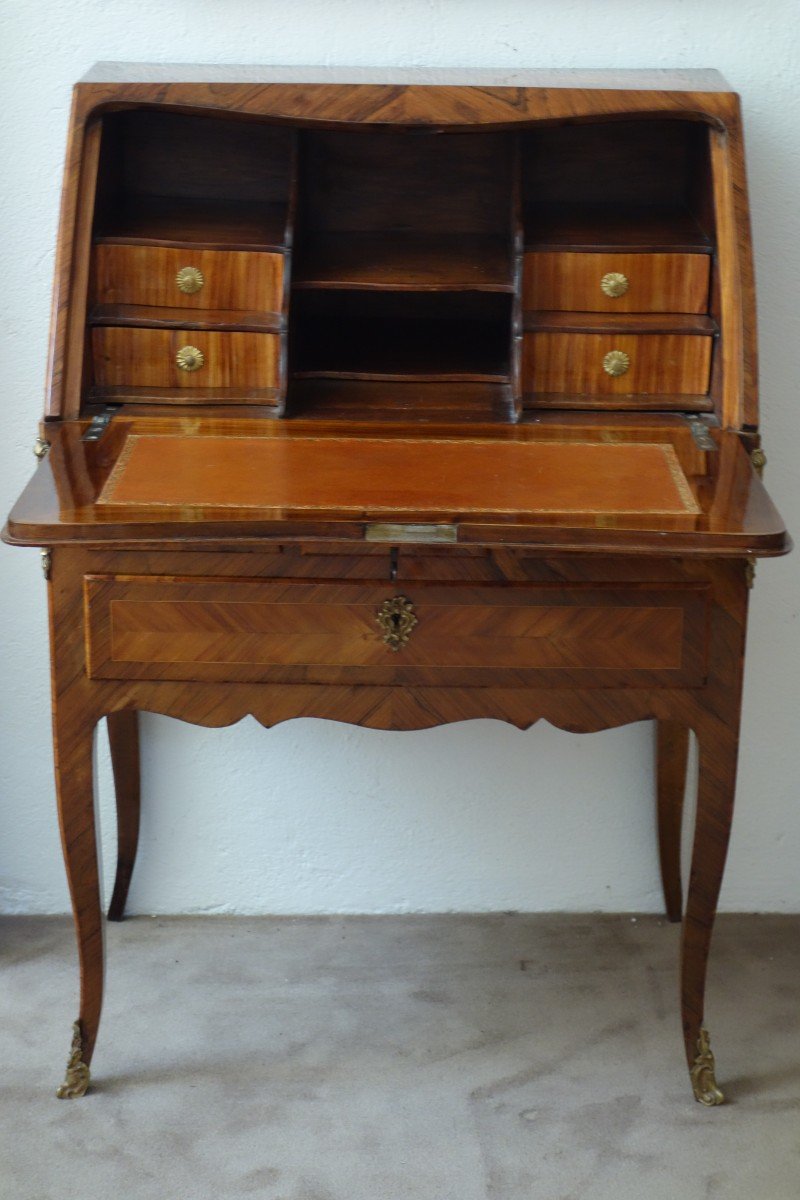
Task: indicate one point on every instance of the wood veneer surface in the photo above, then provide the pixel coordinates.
(233, 279)
(136, 357)
(375, 475)
(675, 283)
(659, 363)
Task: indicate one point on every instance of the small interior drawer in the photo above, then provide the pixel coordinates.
(223, 280)
(180, 358)
(324, 631)
(617, 363)
(618, 282)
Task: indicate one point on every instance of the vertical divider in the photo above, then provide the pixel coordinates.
(517, 252)
(288, 251)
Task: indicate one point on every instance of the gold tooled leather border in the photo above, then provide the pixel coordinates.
(685, 495)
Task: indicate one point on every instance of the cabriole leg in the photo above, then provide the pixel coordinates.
(73, 740)
(718, 748)
(123, 737)
(672, 749)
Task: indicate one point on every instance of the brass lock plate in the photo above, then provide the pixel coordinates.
(397, 619)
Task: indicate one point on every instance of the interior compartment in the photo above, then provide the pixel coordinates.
(168, 178)
(641, 184)
(389, 336)
(402, 250)
(406, 210)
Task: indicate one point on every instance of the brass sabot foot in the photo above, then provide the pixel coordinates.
(76, 1080)
(704, 1083)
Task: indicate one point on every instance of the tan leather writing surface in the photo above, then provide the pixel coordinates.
(373, 475)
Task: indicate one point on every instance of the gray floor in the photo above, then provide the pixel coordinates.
(396, 1058)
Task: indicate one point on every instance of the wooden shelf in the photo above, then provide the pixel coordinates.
(405, 262)
(424, 402)
(151, 317)
(266, 397)
(610, 403)
(608, 227)
(193, 223)
(546, 321)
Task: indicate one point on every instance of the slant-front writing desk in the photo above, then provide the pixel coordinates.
(401, 401)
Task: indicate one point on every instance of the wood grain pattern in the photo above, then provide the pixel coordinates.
(711, 709)
(613, 228)
(123, 740)
(402, 261)
(550, 321)
(657, 283)
(197, 223)
(599, 573)
(459, 106)
(233, 279)
(573, 363)
(672, 749)
(146, 358)
(156, 628)
(161, 317)
(737, 517)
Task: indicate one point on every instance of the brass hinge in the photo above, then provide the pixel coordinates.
(99, 424)
(40, 448)
(47, 562)
(700, 432)
(759, 460)
(750, 571)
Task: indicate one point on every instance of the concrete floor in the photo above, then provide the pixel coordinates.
(400, 1058)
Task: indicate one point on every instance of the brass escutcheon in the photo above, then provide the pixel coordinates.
(616, 362)
(614, 284)
(396, 619)
(189, 280)
(189, 358)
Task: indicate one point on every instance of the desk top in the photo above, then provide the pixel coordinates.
(589, 482)
(672, 80)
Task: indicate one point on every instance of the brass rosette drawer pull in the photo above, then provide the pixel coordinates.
(614, 284)
(616, 363)
(189, 358)
(189, 280)
(396, 618)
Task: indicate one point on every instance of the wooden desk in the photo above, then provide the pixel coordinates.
(399, 403)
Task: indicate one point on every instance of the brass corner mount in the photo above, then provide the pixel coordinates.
(702, 1074)
(76, 1079)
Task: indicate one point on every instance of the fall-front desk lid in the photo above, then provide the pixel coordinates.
(649, 482)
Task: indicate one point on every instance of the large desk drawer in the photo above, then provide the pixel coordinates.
(513, 634)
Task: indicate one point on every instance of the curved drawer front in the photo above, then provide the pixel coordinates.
(617, 363)
(184, 358)
(616, 283)
(384, 633)
(163, 277)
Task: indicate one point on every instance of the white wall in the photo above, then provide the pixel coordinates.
(316, 817)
